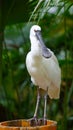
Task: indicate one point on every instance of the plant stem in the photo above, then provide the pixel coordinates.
(66, 87)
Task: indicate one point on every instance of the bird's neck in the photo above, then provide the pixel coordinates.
(35, 47)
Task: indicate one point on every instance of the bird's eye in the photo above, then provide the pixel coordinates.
(35, 30)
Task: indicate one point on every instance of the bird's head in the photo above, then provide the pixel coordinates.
(35, 32)
(34, 29)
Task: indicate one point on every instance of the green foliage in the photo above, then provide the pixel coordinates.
(17, 93)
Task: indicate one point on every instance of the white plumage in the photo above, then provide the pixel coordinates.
(45, 72)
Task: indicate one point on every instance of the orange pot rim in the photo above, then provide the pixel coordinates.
(7, 124)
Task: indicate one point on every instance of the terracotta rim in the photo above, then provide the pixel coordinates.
(25, 123)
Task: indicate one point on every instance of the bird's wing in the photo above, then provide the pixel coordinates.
(53, 75)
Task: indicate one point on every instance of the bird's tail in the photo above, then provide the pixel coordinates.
(54, 92)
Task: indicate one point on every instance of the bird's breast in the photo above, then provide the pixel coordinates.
(33, 63)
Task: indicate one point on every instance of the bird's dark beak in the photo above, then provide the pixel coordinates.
(45, 52)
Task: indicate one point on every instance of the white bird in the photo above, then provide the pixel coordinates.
(43, 68)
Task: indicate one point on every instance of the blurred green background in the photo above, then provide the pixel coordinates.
(17, 93)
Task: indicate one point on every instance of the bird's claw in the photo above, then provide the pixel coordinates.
(38, 122)
(33, 121)
(42, 121)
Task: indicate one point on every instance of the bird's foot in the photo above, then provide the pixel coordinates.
(42, 121)
(34, 121)
(38, 122)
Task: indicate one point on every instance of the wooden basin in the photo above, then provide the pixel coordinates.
(25, 125)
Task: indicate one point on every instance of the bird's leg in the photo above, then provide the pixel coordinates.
(37, 104)
(34, 121)
(45, 108)
(43, 121)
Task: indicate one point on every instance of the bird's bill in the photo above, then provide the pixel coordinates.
(45, 52)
